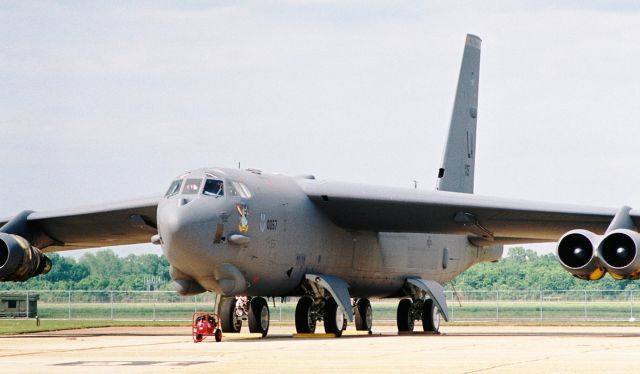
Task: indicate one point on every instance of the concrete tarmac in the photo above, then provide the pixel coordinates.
(459, 349)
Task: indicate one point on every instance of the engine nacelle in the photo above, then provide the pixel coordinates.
(577, 254)
(20, 261)
(619, 254)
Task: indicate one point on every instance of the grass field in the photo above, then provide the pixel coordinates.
(121, 311)
(546, 311)
(76, 309)
(383, 310)
(21, 326)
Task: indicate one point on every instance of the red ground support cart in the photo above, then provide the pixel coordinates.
(205, 324)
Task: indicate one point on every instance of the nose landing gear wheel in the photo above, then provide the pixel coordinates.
(364, 315)
(333, 318)
(404, 317)
(259, 316)
(228, 317)
(430, 316)
(305, 321)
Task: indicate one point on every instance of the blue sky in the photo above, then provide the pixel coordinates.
(104, 101)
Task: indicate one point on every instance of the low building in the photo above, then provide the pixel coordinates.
(14, 305)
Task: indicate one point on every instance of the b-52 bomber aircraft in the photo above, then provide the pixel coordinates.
(247, 235)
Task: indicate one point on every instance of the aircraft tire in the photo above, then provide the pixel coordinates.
(304, 323)
(430, 316)
(228, 320)
(259, 316)
(333, 318)
(404, 318)
(364, 315)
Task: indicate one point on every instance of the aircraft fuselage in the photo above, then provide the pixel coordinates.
(262, 241)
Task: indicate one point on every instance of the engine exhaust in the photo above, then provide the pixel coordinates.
(619, 254)
(576, 252)
(20, 261)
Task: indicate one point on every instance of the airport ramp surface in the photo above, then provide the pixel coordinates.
(460, 349)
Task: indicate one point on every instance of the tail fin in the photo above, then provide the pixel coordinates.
(458, 163)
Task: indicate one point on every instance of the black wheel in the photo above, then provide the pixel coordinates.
(218, 335)
(305, 323)
(404, 318)
(333, 318)
(364, 315)
(259, 316)
(198, 338)
(229, 321)
(430, 316)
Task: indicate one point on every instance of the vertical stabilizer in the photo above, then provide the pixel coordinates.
(458, 163)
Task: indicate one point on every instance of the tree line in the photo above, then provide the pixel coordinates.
(520, 269)
(100, 270)
(525, 269)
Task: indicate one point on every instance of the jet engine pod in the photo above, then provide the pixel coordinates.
(619, 253)
(20, 261)
(577, 254)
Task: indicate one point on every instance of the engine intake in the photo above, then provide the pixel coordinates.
(20, 261)
(619, 254)
(577, 254)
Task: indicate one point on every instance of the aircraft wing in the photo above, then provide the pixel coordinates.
(126, 222)
(486, 219)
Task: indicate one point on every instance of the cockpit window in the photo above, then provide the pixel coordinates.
(174, 188)
(235, 188)
(213, 187)
(244, 191)
(192, 186)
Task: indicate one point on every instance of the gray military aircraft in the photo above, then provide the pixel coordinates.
(248, 234)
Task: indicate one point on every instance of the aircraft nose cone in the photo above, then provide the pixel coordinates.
(188, 233)
(186, 230)
(172, 226)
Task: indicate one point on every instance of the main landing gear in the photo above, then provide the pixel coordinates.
(327, 300)
(254, 310)
(410, 311)
(363, 315)
(309, 311)
(420, 306)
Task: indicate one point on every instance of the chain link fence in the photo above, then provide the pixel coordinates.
(464, 306)
(543, 305)
(105, 305)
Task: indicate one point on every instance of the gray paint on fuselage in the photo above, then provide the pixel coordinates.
(298, 239)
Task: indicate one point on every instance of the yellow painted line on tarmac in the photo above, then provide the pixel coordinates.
(359, 333)
(314, 336)
(350, 334)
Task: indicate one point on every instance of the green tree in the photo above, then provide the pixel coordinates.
(65, 269)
